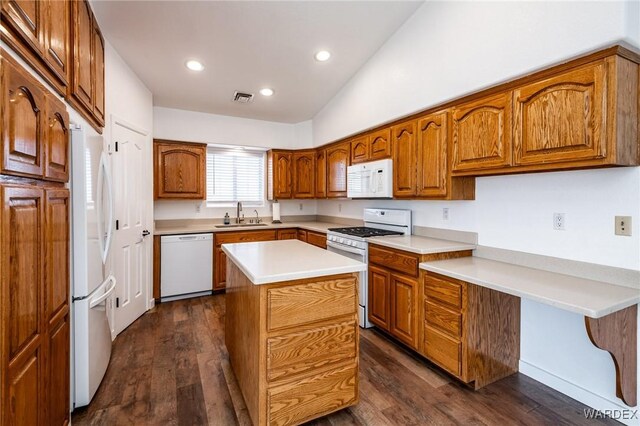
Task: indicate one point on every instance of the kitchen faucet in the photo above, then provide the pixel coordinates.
(238, 210)
(257, 216)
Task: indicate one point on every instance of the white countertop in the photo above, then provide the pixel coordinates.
(594, 299)
(420, 245)
(190, 228)
(276, 261)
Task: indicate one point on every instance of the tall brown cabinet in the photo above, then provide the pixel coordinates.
(34, 239)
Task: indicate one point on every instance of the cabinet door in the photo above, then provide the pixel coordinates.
(321, 173)
(432, 155)
(22, 310)
(83, 70)
(221, 270)
(317, 239)
(360, 149)
(404, 309)
(404, 159)
(180, 171)
(22, 134)
(303, 174)
(26, 17)
(56, 252)
(57, 37)
(380, 144)
(561, 118)
(58, 367)
(56, 163)
(302, 235)
(282, 182)
(98, 72)
(337, 163)
(482, 134)
(379, 302)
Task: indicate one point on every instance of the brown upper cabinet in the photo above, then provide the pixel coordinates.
(372, 146)
(405, 163)
(564, 118)
(179, 170)
(432, 155)
(280, 181)
(61, 41)
(87, 88)
(338, 159)
(482, 133)
(304, 174)
(35, 130)
(321, 173)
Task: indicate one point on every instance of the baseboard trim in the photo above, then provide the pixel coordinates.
(576, 392)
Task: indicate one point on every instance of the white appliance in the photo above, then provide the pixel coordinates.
(92, 284)
(370, 180)
(186, 266)
(352, 242)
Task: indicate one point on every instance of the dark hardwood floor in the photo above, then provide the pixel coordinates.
(166, 369)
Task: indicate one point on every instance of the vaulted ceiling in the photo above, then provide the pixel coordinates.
(246, 46)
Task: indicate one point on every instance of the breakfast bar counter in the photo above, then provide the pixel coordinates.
(291, 329)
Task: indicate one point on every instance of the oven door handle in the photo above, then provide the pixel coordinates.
(345, 248)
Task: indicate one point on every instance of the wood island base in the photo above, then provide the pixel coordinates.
(293, 346)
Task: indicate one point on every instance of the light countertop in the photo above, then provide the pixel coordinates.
(276, 261)
(194, 228)
(420, 245)
(594, 299)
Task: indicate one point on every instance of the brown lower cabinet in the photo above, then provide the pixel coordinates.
(287, 234)
(469, 331)
(34, 303)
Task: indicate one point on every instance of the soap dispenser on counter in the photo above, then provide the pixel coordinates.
(227, 219)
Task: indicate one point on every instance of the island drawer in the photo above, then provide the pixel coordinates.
(307, 303)
(445, 291)
(319, 347)
(394, 259)
(301, 400)
(443, 319)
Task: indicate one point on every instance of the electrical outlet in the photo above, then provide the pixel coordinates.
(198, 206)
(301, 207)
(623, 225)
(559, 221)
(339, 208)
(445, 213)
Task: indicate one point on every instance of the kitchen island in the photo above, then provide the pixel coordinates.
(291, 329)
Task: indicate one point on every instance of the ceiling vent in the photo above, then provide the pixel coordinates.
(243, 98)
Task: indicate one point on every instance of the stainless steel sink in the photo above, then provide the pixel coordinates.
(241, 225)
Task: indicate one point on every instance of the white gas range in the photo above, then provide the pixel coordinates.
(352, 242)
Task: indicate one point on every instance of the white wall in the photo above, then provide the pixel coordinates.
(193, 126)
(448, 49)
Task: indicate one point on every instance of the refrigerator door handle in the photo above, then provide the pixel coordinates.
(104, 177)
(106, 294)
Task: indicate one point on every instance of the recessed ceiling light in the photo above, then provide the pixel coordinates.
(194, 65)
(266, 91)
(323, 55)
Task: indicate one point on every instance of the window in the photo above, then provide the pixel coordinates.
(235, 175)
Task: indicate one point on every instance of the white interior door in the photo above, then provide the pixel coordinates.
(131, 248)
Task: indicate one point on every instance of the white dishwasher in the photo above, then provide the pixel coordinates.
(186, 266)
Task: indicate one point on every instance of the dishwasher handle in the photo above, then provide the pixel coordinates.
(185, 238)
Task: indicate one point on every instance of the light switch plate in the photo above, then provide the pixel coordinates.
(623, 225)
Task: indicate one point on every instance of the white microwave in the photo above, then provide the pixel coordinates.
(370, 180)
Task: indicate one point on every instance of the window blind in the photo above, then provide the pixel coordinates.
(235, 175)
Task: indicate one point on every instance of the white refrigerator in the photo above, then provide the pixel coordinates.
(92, 283)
